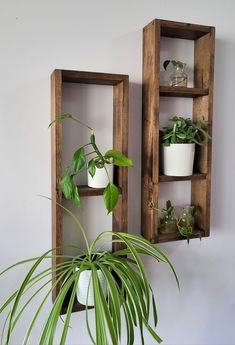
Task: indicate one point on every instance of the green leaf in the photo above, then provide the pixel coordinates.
(76, 197)
(79, 160)
(92, 138)
(60, 118)
(91, 167)
(118, 158)
(165, 64)
(111, 194)
(67, 184)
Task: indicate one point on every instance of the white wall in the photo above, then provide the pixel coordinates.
(39, 36)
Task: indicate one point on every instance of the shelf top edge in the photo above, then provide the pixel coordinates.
(181, 30)
(87, 77)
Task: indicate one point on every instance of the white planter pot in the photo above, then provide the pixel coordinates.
(85, 282)
(178, 159)
(100, 179)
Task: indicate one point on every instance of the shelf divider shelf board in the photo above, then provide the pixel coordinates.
(202, 95)
(169, 91)
(120, 84)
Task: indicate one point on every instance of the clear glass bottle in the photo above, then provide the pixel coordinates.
(186, 219)
(178, 77)
(167, 223)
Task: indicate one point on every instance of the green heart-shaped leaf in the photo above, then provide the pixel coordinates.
(91, 167)
(67, 184)
(79, 160)
(111, 194)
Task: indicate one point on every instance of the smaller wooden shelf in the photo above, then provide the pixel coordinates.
(88, 191)
(177, 237)
(188, 92)
(164, 178)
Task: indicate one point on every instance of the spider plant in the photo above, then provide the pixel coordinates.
(129, 292)
(82, 160)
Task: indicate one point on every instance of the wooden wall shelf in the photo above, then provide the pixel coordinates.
(164, 178)
(191, 92)
(202, 95)
(120, 84)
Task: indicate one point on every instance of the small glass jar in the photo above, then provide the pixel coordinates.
(186, 220)
(178, 77)
(167, 223)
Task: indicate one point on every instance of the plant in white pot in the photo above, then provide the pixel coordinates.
(99, 167)
(129, 301)
(179, 145)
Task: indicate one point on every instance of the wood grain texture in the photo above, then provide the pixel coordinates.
(192, 92)
(202, 94)
(92, 77)
(150, 129)
(203, 106)
(164, 178)
(56, 169)
(120, 143)
(120, 84)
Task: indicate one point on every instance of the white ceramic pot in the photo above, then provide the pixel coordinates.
(100, 179)
(85, 282)
(178, 159)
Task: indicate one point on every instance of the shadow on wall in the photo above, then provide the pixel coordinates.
(223, 126)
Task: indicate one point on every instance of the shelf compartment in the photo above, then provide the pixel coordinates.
(197, 176)
(120, 85)
(202, 99)
(188, 92)
(182, 30)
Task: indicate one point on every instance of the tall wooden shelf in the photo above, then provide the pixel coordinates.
(202, 95)
(120, 84)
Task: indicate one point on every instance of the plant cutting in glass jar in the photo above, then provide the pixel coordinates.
(186, 222)
(168, 222)
(177, 77)
(82, 161)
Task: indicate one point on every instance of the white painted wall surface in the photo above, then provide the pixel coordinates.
(39, 36)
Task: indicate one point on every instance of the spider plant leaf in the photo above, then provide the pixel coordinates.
(103, 306)
(152, 332)
(69, 312)
(20, 292)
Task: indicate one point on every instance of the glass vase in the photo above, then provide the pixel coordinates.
(178, 77)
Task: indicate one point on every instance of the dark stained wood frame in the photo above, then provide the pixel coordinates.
(202, 94)
(120, 85)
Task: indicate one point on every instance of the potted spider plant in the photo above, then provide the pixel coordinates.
(129, 292)
(179, 141)
(99, 167)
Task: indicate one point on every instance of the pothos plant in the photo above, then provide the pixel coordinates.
(81, 160)
(129, 291)
(184, 130)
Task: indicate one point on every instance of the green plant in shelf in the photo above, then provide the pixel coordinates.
(128, 291)
(184, 130)
(168, 222)
(82, 161)
(175, 63)
(186, 222)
